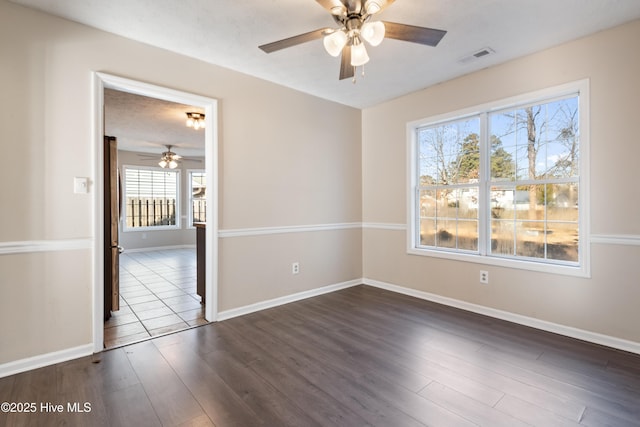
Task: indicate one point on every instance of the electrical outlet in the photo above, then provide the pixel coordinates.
(484, 276)
(295, 268)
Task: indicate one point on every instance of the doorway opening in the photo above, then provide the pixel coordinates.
(158, 264)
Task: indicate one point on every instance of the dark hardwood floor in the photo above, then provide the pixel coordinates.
(357, 357)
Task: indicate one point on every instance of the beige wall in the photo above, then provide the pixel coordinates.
(280, 166)
(607, 302)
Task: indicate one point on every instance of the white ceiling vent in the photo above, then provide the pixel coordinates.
(485, 51)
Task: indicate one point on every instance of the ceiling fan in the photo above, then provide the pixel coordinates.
(168, 159)
(354, 26)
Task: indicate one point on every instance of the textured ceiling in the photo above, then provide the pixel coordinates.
(228, 33)
(148, 125)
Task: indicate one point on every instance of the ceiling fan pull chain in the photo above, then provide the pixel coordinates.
(354, 76)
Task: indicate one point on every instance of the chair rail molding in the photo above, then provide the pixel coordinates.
(32, 246)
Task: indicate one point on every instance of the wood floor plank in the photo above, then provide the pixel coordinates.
(130, 407)
(263, 398)
(473, 410)
(337, 380)
(591, 385)
(285, 376)
(343, 350)
(358, 391)
(108, 371)
(256, 393)
(595, 418)
(533, 414)
(358, 356)
(171, 399)
(222, 405)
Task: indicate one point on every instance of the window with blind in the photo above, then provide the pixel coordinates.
(151, 197)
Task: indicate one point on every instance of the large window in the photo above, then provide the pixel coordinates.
(198, 199)
(151, 198)
(502, 185)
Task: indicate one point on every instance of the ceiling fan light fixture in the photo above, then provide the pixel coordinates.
(173, 164)
(195, 120)
(359, 54)
(373, 32)
(372, 7)
(335, 42)
(162, 163)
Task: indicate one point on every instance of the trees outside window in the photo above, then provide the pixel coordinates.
(501, 183)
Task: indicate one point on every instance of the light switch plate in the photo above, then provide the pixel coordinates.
(80, 185)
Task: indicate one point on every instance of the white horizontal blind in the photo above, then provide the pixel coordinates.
(151, 197)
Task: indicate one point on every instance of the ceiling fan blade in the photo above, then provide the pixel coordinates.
(410, 33)
(295, 40)
(346, 69)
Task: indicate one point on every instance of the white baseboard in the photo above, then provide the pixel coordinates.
(35, 362)
(263, 305)
(41, 360)
(593, 337)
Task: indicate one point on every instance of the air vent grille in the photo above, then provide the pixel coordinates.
(486, 51)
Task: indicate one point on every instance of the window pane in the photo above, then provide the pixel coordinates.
(198, 196)
(151, 197)
(427, 232)
(502, 202)
(529, 241)
(428, 203)
(502, 237)
(468, 202)
(449, 153)
(562, 242)
(503, 166)
(562, 202)
(468, 235)
(561, 150)
(447, 235)
(532, 203)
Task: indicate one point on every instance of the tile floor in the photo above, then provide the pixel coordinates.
(157, 296)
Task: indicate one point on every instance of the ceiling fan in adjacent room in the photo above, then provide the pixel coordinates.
(168, 159)
(354, 28)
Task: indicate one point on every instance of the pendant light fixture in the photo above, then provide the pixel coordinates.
(195, 120)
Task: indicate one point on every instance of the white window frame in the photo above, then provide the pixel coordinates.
(125, 227)
(190, 194)
(582, 267)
